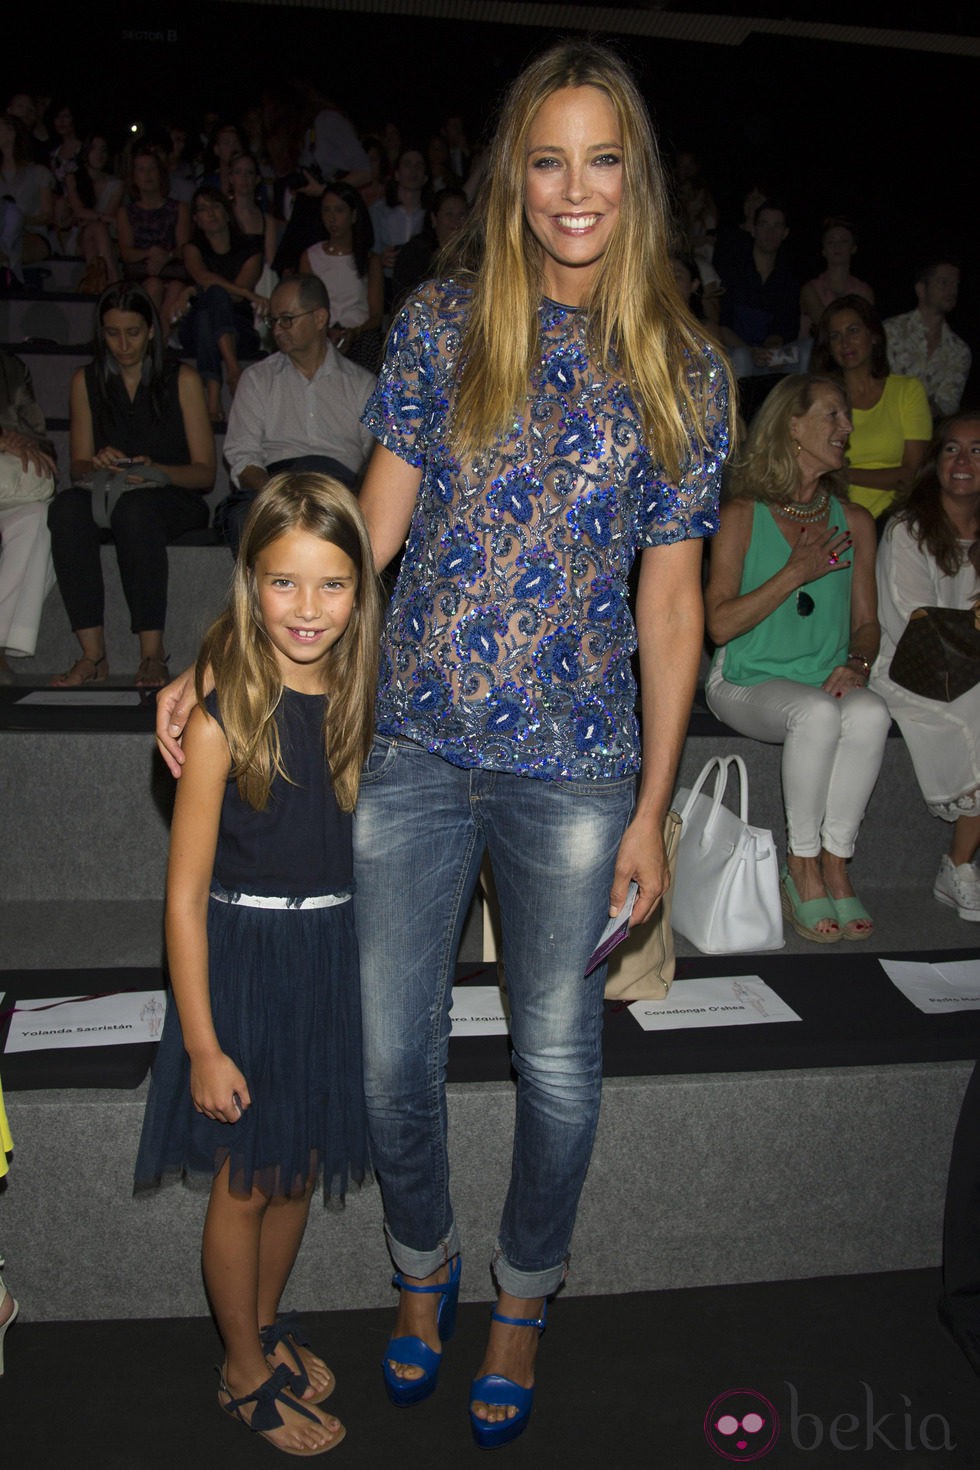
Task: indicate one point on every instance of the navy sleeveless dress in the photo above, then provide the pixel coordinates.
(284, 993)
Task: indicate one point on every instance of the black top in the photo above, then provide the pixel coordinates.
(137, 427)
(229, 265)
(758, 309)
(302, 842)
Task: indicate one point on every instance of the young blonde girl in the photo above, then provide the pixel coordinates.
(257, 1084)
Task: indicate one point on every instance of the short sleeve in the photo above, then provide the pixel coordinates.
(915, 412)
(690, 509)
(410, 399)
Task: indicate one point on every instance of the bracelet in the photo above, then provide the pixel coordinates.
(860, 658)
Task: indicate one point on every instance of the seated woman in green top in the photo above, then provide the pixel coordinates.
(791, 604)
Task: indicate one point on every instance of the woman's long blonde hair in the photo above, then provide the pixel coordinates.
(237, 648)
(768, 468)
(635, 313)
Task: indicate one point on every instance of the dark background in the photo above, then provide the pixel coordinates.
(884, 135)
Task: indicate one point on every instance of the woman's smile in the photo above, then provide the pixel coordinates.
(573, 187)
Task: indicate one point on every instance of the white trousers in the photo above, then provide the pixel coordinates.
(832, 753)
(26, 575)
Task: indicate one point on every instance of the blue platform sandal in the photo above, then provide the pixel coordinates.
(493, 1388)
(412, 1350)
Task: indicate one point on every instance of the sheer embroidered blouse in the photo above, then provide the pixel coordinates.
(508, 639)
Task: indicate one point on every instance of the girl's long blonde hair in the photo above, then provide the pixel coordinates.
(237, 648)
(634, 308)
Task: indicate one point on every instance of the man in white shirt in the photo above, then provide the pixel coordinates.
(298, 409)
(922, 345)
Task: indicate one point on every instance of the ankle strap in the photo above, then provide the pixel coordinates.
(539, 1322)
(403, 1285)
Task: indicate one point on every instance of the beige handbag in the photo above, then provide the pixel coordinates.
(642, 967)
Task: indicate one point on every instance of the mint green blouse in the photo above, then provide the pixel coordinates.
(786, 644)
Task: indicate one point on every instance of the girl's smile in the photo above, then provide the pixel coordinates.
(305, 588)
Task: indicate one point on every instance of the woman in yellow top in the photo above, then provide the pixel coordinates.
(890, 413)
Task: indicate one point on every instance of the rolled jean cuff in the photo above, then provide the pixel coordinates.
(422, 1263)
(527, 1284)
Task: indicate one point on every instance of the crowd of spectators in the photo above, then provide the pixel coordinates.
(283, 230)
(284, 166)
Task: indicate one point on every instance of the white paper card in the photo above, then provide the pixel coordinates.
(933, 989)
(69, 1021)
(108, 697)
(721, 1000)
(478, 1010)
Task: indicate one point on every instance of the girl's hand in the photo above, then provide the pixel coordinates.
(219, 1089)
(842, 680)
(818, 552)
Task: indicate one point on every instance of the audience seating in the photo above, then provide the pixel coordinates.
(723, 1177)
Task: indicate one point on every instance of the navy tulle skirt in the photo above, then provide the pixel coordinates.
(286, 1006)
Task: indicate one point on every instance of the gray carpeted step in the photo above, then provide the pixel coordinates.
(67, 320)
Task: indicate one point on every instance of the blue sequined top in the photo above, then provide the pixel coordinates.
(508, 639)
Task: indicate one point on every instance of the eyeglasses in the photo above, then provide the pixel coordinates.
(286, 318)
(804, 603)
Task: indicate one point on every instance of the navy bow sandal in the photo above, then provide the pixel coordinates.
(493, 1388)
(265, 1416)
(415, 1352)
(288, 1330)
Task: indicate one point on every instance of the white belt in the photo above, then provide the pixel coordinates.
(271, 901)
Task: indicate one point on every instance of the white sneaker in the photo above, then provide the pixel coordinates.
(959, 888)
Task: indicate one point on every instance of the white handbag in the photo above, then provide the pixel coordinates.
(726, 896)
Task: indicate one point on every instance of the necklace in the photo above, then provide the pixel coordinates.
(812, 512)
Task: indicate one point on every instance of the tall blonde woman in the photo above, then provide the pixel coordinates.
(543, 416)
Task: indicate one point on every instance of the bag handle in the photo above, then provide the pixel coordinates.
(109, 485)
(722, 762)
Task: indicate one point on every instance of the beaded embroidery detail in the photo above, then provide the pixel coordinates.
(508, 639)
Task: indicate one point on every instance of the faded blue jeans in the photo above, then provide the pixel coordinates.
(421, 829)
